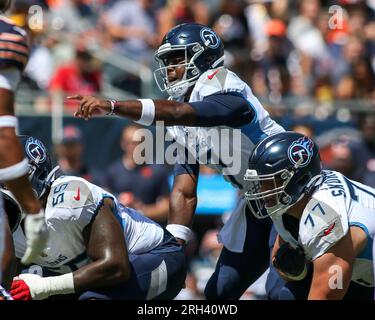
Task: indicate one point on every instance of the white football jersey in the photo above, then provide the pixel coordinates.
(222, 80)
(71, 205)
(337, 204)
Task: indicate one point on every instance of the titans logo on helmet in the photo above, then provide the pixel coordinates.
(211, 37)
(35, 150)
(302, 148)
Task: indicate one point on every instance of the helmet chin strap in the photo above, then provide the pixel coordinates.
(218, 61)
(179, 89)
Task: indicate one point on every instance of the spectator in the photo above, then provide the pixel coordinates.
(132, 27)
(73, 16)
(365, 150)
(304, 129)
(342, 159)
(143, 187)
(181, 11)
(41, 64)
(81, 75)
(70, 154)
(274, 61)
(303, 31)
(352, 52)
(231, 25)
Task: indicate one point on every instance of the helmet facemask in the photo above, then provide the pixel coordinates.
(40, 183)
(179, 87)
(266, 195)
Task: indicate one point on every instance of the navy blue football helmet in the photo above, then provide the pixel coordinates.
(282, 168)
(201, 48)
(41, 175)
(41, 172)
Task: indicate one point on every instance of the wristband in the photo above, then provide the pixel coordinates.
(8, 121)
(179, 231)
(113, 105)
(148, 112)
(63, 284)
(15, 171)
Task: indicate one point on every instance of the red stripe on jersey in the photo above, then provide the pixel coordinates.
(13, 56)
(12, 46)
(12, 37)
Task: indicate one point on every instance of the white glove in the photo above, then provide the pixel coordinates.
(36, 233)
(40, 288)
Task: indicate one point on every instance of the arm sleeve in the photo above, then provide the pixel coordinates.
(230, 109)
(186, 169)
(184, 166)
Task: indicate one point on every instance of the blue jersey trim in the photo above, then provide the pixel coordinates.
(366, 253)
(360, 225)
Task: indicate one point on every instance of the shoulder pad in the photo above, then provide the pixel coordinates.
(321, 226)
(217, 80)
(14, 50)
(73, 192)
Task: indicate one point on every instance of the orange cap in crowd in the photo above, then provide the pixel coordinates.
(276, 28)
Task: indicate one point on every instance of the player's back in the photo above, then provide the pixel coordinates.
(354, 198)
(14, 49)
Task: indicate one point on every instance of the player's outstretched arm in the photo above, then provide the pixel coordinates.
(182, 204)
(333, 270)
(215, 110)
(105, 245)
(144, 111)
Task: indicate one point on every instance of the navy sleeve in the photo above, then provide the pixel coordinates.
(229, 109)
(186, 169)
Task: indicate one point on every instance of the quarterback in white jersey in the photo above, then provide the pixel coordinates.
(210, 114)
(97, 248)
(321, 216)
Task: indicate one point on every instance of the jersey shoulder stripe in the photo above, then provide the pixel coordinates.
(14, 50)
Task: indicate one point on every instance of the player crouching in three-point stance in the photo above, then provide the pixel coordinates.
(98, 249)
(327, 218)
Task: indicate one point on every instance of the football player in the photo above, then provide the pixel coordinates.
(321, 216)
(205, 97)
(13, 165)
(97, 249)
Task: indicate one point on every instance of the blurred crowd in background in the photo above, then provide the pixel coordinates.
(311, 63)
(285, 48)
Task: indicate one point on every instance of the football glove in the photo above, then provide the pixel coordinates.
(34, 287)
(291, 262)
(36, 234)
